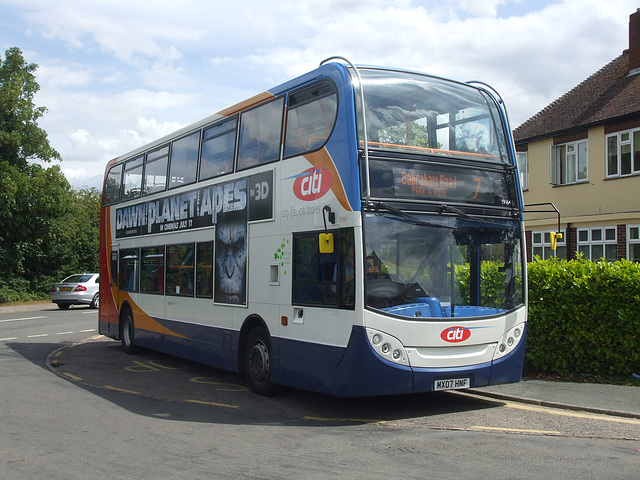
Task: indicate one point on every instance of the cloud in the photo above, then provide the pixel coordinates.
(115, 74)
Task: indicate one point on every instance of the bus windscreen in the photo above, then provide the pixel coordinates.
(422, 114)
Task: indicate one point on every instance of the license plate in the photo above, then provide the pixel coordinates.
(452, 384)
(64, 289)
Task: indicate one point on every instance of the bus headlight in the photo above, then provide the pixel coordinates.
(509, 341)
(388, 347)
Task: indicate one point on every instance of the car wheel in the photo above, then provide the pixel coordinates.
(256, 362)
(127, 332)
(95, 302)
(64, 306)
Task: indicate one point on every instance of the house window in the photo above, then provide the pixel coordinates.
(633, 243)
(523, 169)
(568, 163)
(598, 243)
(541, 245)
(623, 153)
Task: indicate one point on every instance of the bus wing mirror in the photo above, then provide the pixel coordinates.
(554, 237)
(325, 242)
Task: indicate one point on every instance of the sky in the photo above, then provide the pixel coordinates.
(117, 74)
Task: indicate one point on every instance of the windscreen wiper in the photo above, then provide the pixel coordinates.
(442, 209)
(405, 216)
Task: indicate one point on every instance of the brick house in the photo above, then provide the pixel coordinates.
(582, 154)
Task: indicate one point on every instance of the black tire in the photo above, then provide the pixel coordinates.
(256, 362)
(64, 306)
(95, 301)
(127, 332)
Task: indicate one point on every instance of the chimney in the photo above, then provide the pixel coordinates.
(634, 42)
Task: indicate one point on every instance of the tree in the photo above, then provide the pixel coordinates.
(33, 201)
(80, 232)
(21, 140)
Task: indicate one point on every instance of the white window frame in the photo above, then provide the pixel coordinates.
(592, 242)
(626, 139)
(541, 245)
(566, 161)
(522, 158)
(633, 242)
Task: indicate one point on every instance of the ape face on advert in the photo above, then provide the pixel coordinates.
(231, 262)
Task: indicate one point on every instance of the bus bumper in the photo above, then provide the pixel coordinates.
(362, 372)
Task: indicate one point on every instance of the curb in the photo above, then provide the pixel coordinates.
(550, 404)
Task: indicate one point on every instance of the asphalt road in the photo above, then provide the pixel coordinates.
(75, 406)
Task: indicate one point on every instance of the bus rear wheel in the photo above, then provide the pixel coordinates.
(256, 362)
(127, 332)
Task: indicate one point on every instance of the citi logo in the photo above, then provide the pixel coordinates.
(312, 184)
(455, 334)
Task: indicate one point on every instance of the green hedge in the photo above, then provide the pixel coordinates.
(584, 317)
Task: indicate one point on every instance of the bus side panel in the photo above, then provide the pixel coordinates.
(362, 372)
(203, 344)
(305, 365)
(148, 339)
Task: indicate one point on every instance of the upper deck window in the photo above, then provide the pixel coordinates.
(420, 114)
(113, 185)
(184, 160)
(218, 147)
(260, 134)
(311, 115)
(155, 171)
(132, 179)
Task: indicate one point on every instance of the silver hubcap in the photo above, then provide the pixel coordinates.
(259, 362)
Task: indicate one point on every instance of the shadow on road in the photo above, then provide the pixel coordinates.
(158, 385)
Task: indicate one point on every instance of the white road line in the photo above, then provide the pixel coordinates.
(64, 333)
(88, 330)
(39, 335)
(8, 338)
(20, 319)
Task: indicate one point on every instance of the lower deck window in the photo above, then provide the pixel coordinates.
(180, 259)
(323, 278)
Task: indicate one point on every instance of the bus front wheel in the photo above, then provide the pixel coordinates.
(256, 362)
(127, 332)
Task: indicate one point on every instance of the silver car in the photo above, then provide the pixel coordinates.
(80, 289)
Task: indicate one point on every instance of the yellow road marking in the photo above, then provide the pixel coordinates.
(519, 430)
(574, 414)
(109, 387)
(213, 404)
(73, 377)
(343, 419)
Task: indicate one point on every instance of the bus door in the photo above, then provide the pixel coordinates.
(323, 291)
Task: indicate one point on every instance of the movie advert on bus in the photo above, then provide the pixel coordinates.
(251, 197)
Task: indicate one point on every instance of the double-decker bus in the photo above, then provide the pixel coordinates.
(355, 231)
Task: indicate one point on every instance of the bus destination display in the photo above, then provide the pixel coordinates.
(438, 183)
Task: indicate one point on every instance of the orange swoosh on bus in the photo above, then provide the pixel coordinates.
(322, 159)
(146, 322)
(250, 102)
